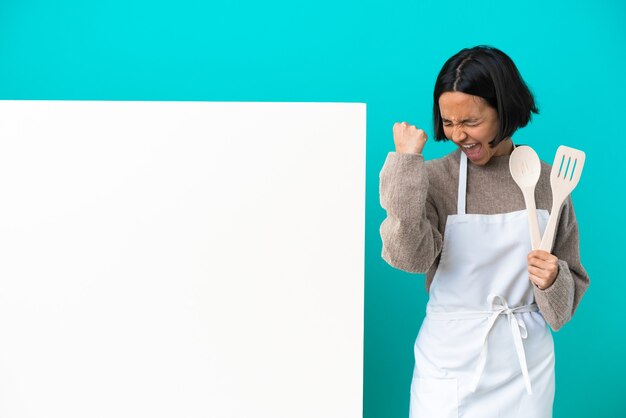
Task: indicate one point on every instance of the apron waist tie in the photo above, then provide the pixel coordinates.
(499, 307)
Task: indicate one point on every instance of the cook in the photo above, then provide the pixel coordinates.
(484, 348)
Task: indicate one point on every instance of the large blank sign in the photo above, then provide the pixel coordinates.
(181, 259)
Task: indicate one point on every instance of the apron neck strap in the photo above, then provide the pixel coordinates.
(462, 184)
(460, 209)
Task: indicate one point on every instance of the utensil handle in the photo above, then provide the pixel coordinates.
(533, 224)
(548, 236)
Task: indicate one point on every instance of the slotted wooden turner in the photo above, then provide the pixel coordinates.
(566, 170)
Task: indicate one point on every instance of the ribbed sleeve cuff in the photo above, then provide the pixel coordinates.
(556, 302)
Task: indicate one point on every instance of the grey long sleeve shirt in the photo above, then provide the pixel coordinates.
(418, 196)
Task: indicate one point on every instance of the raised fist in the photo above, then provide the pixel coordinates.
(408, 138)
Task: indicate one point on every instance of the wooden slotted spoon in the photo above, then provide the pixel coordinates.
(525, 169)
(565, 174)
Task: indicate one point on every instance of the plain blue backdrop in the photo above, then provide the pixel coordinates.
(571, 54)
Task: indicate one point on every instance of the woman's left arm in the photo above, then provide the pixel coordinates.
(558, 300)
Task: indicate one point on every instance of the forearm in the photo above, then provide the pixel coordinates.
(559, 302)
(556, 303)
(410, 242)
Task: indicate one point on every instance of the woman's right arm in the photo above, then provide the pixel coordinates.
(411, 240)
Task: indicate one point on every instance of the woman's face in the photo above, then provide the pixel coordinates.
(469, 121)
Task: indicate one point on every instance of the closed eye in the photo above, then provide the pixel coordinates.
(466, 124)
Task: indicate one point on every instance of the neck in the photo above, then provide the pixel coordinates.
(504, 148)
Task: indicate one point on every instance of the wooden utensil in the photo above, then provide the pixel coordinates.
(566, 170)
(525, 168)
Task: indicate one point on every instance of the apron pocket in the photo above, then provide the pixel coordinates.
(434, 398)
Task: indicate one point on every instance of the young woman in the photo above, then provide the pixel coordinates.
(484, 349)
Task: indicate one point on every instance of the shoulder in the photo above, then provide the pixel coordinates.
(444, 167)
(443, 178)
(545, 170)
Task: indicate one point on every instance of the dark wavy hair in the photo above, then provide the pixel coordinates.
(489, 73)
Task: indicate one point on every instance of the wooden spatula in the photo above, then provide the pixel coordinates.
(566, 170)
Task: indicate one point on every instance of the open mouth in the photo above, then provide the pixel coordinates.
(473, 151)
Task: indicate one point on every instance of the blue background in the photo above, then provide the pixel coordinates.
(571, 54)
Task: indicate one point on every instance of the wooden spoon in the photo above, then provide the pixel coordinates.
(525, 168)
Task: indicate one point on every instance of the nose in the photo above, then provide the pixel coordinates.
(458, 134)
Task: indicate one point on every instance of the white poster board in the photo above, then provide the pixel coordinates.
(181, 259)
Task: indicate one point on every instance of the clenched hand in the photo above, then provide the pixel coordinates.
(543, 268)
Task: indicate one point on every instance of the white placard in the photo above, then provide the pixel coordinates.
(181, 259)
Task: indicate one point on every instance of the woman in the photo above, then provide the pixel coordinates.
(484, 349)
